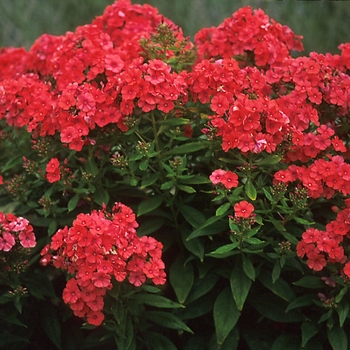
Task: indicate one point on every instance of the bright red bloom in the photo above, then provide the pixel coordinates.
(243, 209)
(229, 179)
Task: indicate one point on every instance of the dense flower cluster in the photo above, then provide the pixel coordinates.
(327, 246)
(101, 247)
(15, 230)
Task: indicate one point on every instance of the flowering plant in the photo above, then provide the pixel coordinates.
(232, 154)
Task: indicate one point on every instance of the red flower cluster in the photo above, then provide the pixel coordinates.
(322, 178)
(248, 31)
(92, 77)
(98, 248)
(15, 230)
(322, 247)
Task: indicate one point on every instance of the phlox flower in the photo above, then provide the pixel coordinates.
(7, 241)
(216, 176)
(229, 179)
(243, 209)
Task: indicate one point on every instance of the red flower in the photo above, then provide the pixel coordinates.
(229, 179)
(243, 209)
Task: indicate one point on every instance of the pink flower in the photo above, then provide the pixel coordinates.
(216, 176)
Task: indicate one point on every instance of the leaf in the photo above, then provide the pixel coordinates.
(174, 121)
(187, 189)
(101, 196)
(150, 226)
(223, 209)
(51, 324)
(248, 267)
(222, 251)
(250, 190)
(253, 240)
(167, 320)
(193, 216)
(202, 286)
(240, 284)
(157, 341)
(303, 300)
(308, 330)
(268, 195)
(341, 294)
(91, 167)
(343, 312)
(225, 314)
(73, 202)
(167, 185)
(310, 282)
(276, 271)
(181, 278)
(149, 205)
(197, 180)
(337, 338)
(280, 287)
(188, 148)
(202, 229)
(149, 180)
(156, 300)
(195, 245)
(269, 160)
(286, 342)
(143, 165)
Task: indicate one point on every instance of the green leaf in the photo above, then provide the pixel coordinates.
(202, 286)
(341, 294)
(195, 245)
(337, 338)
(188, 148)
(303, 300)
(157, 341)
(225, 314)
(73, 202)
(308, 330)
(250, 190)
(101, 196)
(286, 342)
(150, 226)
(202, 229)
(223, 209)
(91, 167)
(280, 287)
(174, 121)
(248, 267)
(143, 165)
(181, 278)
(149, 205)
(52, 227)
(156, 300)
(268, 195)
(303, 221)
(193, 216)
(167, 320)
(276, 271)
(51, 324)
(197, 180)
(240, 284)
(167, 185)
(310, 282)
(343, 312)
(222, 251)
(253, 240)
(187, 189)
(269, 160)
(149, 180)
